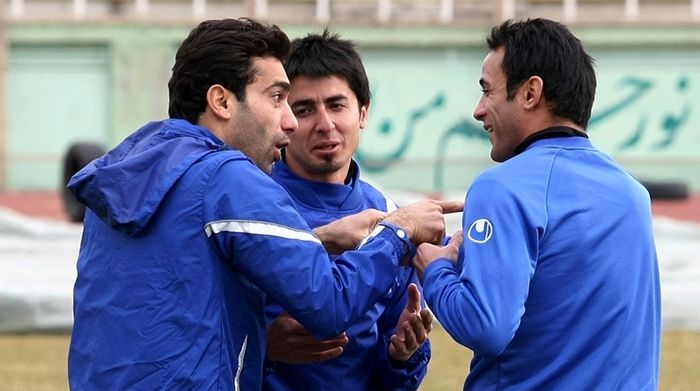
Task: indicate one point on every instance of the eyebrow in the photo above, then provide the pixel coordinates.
(301, 103)
(310, 102)
(279, 84)
(335, 98)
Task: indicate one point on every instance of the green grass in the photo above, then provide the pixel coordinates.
(680, 357)
(34, 362)
(37, 362)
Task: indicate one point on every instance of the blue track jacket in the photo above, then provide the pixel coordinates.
(183, 240)
(557, 285)
(365, 363)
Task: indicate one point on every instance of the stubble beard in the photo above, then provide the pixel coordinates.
(326, 166)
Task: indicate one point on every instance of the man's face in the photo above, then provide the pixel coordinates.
(263, 122)
(330, 120)
(500, 116)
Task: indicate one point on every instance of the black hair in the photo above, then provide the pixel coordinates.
(326, 54)
(220, 52)
(544, 48)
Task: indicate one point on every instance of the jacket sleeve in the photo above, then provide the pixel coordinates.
(252, 223)
(391, 374)
(481, 299)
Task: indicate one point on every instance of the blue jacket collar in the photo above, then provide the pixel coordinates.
(320, 195)
(554, 132)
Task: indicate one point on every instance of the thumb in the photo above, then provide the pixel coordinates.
(457, 239)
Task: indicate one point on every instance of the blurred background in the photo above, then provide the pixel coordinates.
(77, 76)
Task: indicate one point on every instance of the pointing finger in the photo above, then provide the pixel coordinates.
(450, 206)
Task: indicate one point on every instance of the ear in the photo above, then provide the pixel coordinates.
(531, 91)
(364, 116)
(219, 101)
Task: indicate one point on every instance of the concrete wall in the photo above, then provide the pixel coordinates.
(424, 82)
(69, 82)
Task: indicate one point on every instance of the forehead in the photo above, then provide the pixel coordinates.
(492, 67)
(304, 87)
(268, 71)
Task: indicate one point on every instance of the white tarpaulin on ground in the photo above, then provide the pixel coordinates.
(37, 272)
(38, 256)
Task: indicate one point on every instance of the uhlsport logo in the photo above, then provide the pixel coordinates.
(480, 231)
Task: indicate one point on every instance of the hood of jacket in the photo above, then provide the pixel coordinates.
(126, 186)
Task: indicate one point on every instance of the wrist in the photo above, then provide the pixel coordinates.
(401, 223)
(416, 357)
(409, 248)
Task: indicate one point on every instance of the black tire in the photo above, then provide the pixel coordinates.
(666, 190)
(79, 155)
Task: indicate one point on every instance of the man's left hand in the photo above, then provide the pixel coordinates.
(412, 329)
(289, 342)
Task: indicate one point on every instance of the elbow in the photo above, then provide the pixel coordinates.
(490, 344)
(485, 340)
(324, 324)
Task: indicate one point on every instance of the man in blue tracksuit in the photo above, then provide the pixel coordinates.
(387, 347)
(186, 235)
(556, 285)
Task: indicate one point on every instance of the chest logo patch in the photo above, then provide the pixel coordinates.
(480, 231)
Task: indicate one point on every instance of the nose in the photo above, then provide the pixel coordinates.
(480, 110)
(288, 122)
(324, 122)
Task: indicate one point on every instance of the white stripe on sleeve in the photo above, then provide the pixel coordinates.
(390, 204)
(259, 228)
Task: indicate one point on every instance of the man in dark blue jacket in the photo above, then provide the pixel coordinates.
(186, 235)
(387, 347)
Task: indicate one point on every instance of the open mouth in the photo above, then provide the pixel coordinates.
(277, 153)
(277, 156)
(326, 147)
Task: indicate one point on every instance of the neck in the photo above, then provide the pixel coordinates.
(553, 123)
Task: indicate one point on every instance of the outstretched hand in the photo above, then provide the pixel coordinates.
(415, 323)
(289, 342)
